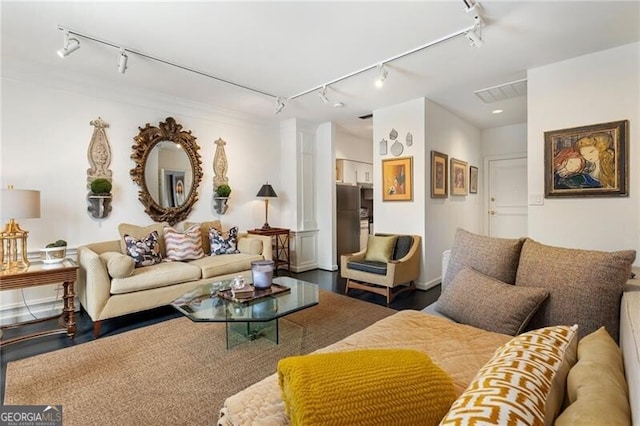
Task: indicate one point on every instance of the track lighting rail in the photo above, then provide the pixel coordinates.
(164, 61)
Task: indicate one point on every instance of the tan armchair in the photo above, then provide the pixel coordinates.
(386, 278)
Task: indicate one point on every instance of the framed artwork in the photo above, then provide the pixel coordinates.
(439, 175)
(588, 161)
(397, 179)
(473, 180)
(459, 177)
(173, 191)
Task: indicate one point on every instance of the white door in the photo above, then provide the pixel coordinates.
(507, 212)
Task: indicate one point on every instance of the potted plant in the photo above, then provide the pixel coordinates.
(54, 252)
(100, 198)
(221, 197)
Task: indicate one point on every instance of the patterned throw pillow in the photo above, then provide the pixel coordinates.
(523, 383)
(222, 245)
(146, 251)
(185, 245)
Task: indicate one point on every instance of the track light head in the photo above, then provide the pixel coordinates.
(382, 75)
(70, 45)
(475, 37)
(322, 94)
(279, 105)
(122, 61)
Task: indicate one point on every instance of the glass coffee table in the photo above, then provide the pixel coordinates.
(247, 320)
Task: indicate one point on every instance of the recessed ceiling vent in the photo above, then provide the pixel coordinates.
(365, 117)
(503, 91)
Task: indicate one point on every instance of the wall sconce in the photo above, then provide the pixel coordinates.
(266, 192)
(16, 204)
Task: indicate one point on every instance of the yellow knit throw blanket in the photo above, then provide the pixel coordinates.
(365, 387)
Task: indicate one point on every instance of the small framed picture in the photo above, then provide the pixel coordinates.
(397, 179)
(439, 180)
(473, 180)
(459, 177)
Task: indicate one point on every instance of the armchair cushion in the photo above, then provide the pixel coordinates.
(379, 248)
(379, 268)
(403, 245)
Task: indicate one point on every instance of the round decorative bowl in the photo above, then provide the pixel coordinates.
(53, 254)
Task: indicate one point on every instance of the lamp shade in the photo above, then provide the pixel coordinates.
(20, 204)
(267, 191)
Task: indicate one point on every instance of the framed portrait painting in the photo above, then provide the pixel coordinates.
(439, 175)
(397, 179)
(588, 161)
(473, 180)
(459, 177)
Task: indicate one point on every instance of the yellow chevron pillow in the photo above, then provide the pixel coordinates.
(364, 387)
(522, 384)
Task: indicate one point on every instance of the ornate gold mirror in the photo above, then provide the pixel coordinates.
(168, 170)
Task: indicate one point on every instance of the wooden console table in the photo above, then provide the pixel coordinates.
(280, 245)
(38, 274)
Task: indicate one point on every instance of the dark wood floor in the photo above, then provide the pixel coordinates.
(326, 280)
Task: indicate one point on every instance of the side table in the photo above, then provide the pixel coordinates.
(280, 245)
(38, 274)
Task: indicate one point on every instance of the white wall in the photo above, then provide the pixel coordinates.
(46, 134)
(504, 140)
(351, 147)
(451, 135)
(596, 88)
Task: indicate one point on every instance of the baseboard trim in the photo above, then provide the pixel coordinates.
(41, 308)
(429, 284)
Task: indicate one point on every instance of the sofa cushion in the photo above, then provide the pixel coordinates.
(523, 383)
(160, 275)
(118, 265)
(379, 268)
(185, 245)
(379, 248)
(584, 286)
(213, 266)
(144, 251)
(596, 387)
(388, 386)
(204, 231)
(221, 244)
(495, 257)
(140, 232)
(484, 302)
(248, 245)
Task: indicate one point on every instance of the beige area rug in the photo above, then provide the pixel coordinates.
(176, 372)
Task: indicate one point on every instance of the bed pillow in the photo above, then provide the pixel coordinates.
(379, 248)
(374, 386)
(144, 251)
(220, 244)
(185, 245)
(585, 286)
(494, 257)
(484, 302)
(140, 232)
(523, 383)
(596, 387)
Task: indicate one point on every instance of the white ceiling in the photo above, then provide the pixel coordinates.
(286, 48)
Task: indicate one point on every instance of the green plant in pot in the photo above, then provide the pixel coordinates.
(101, 186)
(223, 191)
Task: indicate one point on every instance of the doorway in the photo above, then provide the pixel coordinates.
(507, 196)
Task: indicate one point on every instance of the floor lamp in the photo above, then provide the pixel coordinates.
(266, 192)
(16, 204)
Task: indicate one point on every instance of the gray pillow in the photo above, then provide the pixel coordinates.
(495, 257)
(585, 286)
(484, 302)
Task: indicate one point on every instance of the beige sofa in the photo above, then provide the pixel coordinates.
(599, 390)
(106, 292)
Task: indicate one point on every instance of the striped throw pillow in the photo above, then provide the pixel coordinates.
(185, 245)
(522, 384)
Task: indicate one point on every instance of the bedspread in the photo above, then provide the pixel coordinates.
(458, 349)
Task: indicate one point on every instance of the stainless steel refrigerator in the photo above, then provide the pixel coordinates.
(348, 219)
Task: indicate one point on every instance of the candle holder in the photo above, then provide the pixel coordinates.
(262, 273)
